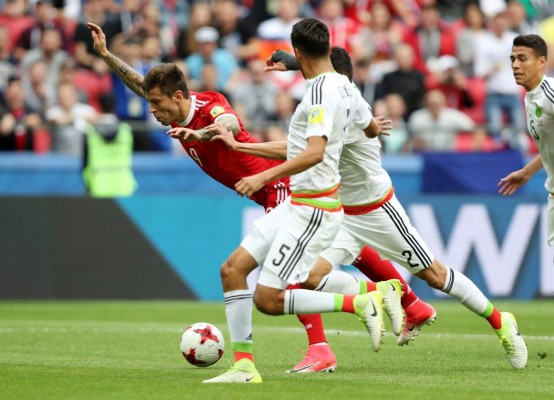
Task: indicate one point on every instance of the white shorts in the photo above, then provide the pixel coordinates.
(387, 230)
(288, 240)
(550, 220)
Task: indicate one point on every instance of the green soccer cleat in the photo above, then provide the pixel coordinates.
(369, 308)
(243, 371)
(392, 294)
(513, 343)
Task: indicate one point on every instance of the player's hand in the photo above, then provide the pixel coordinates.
(250, 185)
(271, 66)
(511, 183)
(185, 134)
(99, 39)
(384, 125)
(222, 134)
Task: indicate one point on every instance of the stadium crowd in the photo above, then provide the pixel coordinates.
(439, 69)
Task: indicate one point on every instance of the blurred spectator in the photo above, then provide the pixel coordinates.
(254, 99)
(129, 107)
(44, 14)
(492, 62)
(435, 127)
(237, 33)
(150, 25)
(68, 121)
(430, 39)
(18, 124)
(209, 52)
(407, 81)
(108, 155)
(394, 108)
(13, 16)
(200, 15)
(208, 80)
(383, 32)
(274, 33)
(518, 21)
(279, 122)
(406, 11)
(344, 32)
(37, 87)
(50, 52)
(7, 62)
(95, 11)
(474, 28)
(129, 14)
(445, 75)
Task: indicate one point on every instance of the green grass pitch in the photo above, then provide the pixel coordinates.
(130, 350)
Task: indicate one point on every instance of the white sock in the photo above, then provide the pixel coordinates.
(461, 288)
(302, 301)
(339, 282)
(238, 309)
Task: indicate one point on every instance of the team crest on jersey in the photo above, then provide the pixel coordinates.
(316, 115)
(216, 111)
(538, 112)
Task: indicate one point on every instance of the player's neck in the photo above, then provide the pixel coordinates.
(184, 109)
(317, 67)
(534, 83)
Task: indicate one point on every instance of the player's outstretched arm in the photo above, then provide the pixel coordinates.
(511, 183)
(132, 79)
(312, 155)
(274, 150)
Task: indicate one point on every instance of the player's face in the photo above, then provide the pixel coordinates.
(165, 109)
(527, 68)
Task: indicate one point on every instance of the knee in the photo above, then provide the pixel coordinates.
(267, 304)
(227, 271)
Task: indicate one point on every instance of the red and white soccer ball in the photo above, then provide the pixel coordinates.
(202, 344)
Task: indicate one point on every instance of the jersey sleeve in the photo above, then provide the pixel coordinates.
(219, 108)
(548, 105)
(362, 113)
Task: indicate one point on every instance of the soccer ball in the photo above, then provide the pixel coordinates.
(202, 344)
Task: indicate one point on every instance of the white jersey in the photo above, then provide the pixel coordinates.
(326, 110)
(364, 181)
(539, 106)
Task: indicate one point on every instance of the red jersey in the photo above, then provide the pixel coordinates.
(224, 165)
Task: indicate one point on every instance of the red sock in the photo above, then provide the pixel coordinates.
(371, 265)
(314, 328)
(312, 323)
(240, 355)
(495, 319)
(348, 303)
(370, 286)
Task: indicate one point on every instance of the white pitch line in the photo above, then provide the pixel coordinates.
(263, 329)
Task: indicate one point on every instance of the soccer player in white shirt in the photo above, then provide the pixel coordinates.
(287, 241)
(529, 53)
(374, 217)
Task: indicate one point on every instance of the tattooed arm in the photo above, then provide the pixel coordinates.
(132, 79)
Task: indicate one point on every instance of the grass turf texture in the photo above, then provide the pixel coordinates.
(130, 350)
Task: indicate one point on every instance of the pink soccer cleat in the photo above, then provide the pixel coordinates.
(320, 358)
(418, 314)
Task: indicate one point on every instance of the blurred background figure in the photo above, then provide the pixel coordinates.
(435, 127)
(19, 125)
(108, 155)
(68, 120)
(201, 15)
(393, 107)
(209, 52)
(279, 122)
(474, 27)
(503, 98)
(254, 99)
(406, 80)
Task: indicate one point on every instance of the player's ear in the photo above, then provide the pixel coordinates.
(178, 96)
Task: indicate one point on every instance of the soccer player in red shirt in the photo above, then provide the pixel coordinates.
(189, 113)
